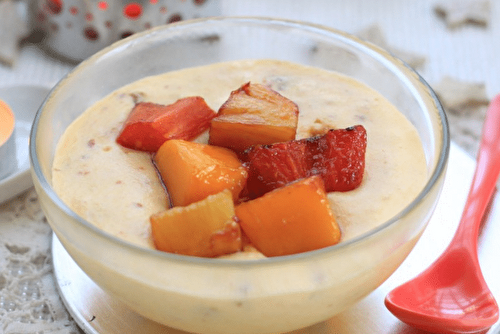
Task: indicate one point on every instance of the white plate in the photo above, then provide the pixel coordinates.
(24, 102)
(97, 312)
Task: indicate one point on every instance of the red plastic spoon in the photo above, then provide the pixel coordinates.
(451, 296)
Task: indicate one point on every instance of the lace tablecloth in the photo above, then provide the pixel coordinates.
(29, 301)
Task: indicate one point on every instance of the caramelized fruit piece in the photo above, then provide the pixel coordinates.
(191, 171)
(292, 219)
(149, 125)
(337, 156)
(254, 114)
(206, 228)
(273, 166)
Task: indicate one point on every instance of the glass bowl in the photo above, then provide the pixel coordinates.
(215, 295)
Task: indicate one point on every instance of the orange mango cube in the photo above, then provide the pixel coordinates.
(292, 219)
(191, 171)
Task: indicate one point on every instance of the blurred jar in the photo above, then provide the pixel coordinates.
(76, 29)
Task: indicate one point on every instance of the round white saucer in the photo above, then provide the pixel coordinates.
(96, 312)
(24, 102)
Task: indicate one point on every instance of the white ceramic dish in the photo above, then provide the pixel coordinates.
(24, 102)
(96, 312)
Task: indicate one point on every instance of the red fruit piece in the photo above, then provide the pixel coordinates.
(149, 125)
(273, 166)
(337, 156)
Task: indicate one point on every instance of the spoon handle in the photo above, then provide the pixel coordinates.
(484, 181)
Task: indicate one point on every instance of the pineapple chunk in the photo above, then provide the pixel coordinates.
(207, 228)
(254, 114)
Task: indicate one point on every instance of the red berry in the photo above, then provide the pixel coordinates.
(337, 156)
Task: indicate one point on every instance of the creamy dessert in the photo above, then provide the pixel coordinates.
(118, 189)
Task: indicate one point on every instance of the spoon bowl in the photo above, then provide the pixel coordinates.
(461, 303)
(451, 296)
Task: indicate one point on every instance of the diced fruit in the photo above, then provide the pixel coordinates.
(337, 156)
(254, 114)
(149, 125)
(273, 166)
(291, 219)
(191, 171)
(207, 228)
